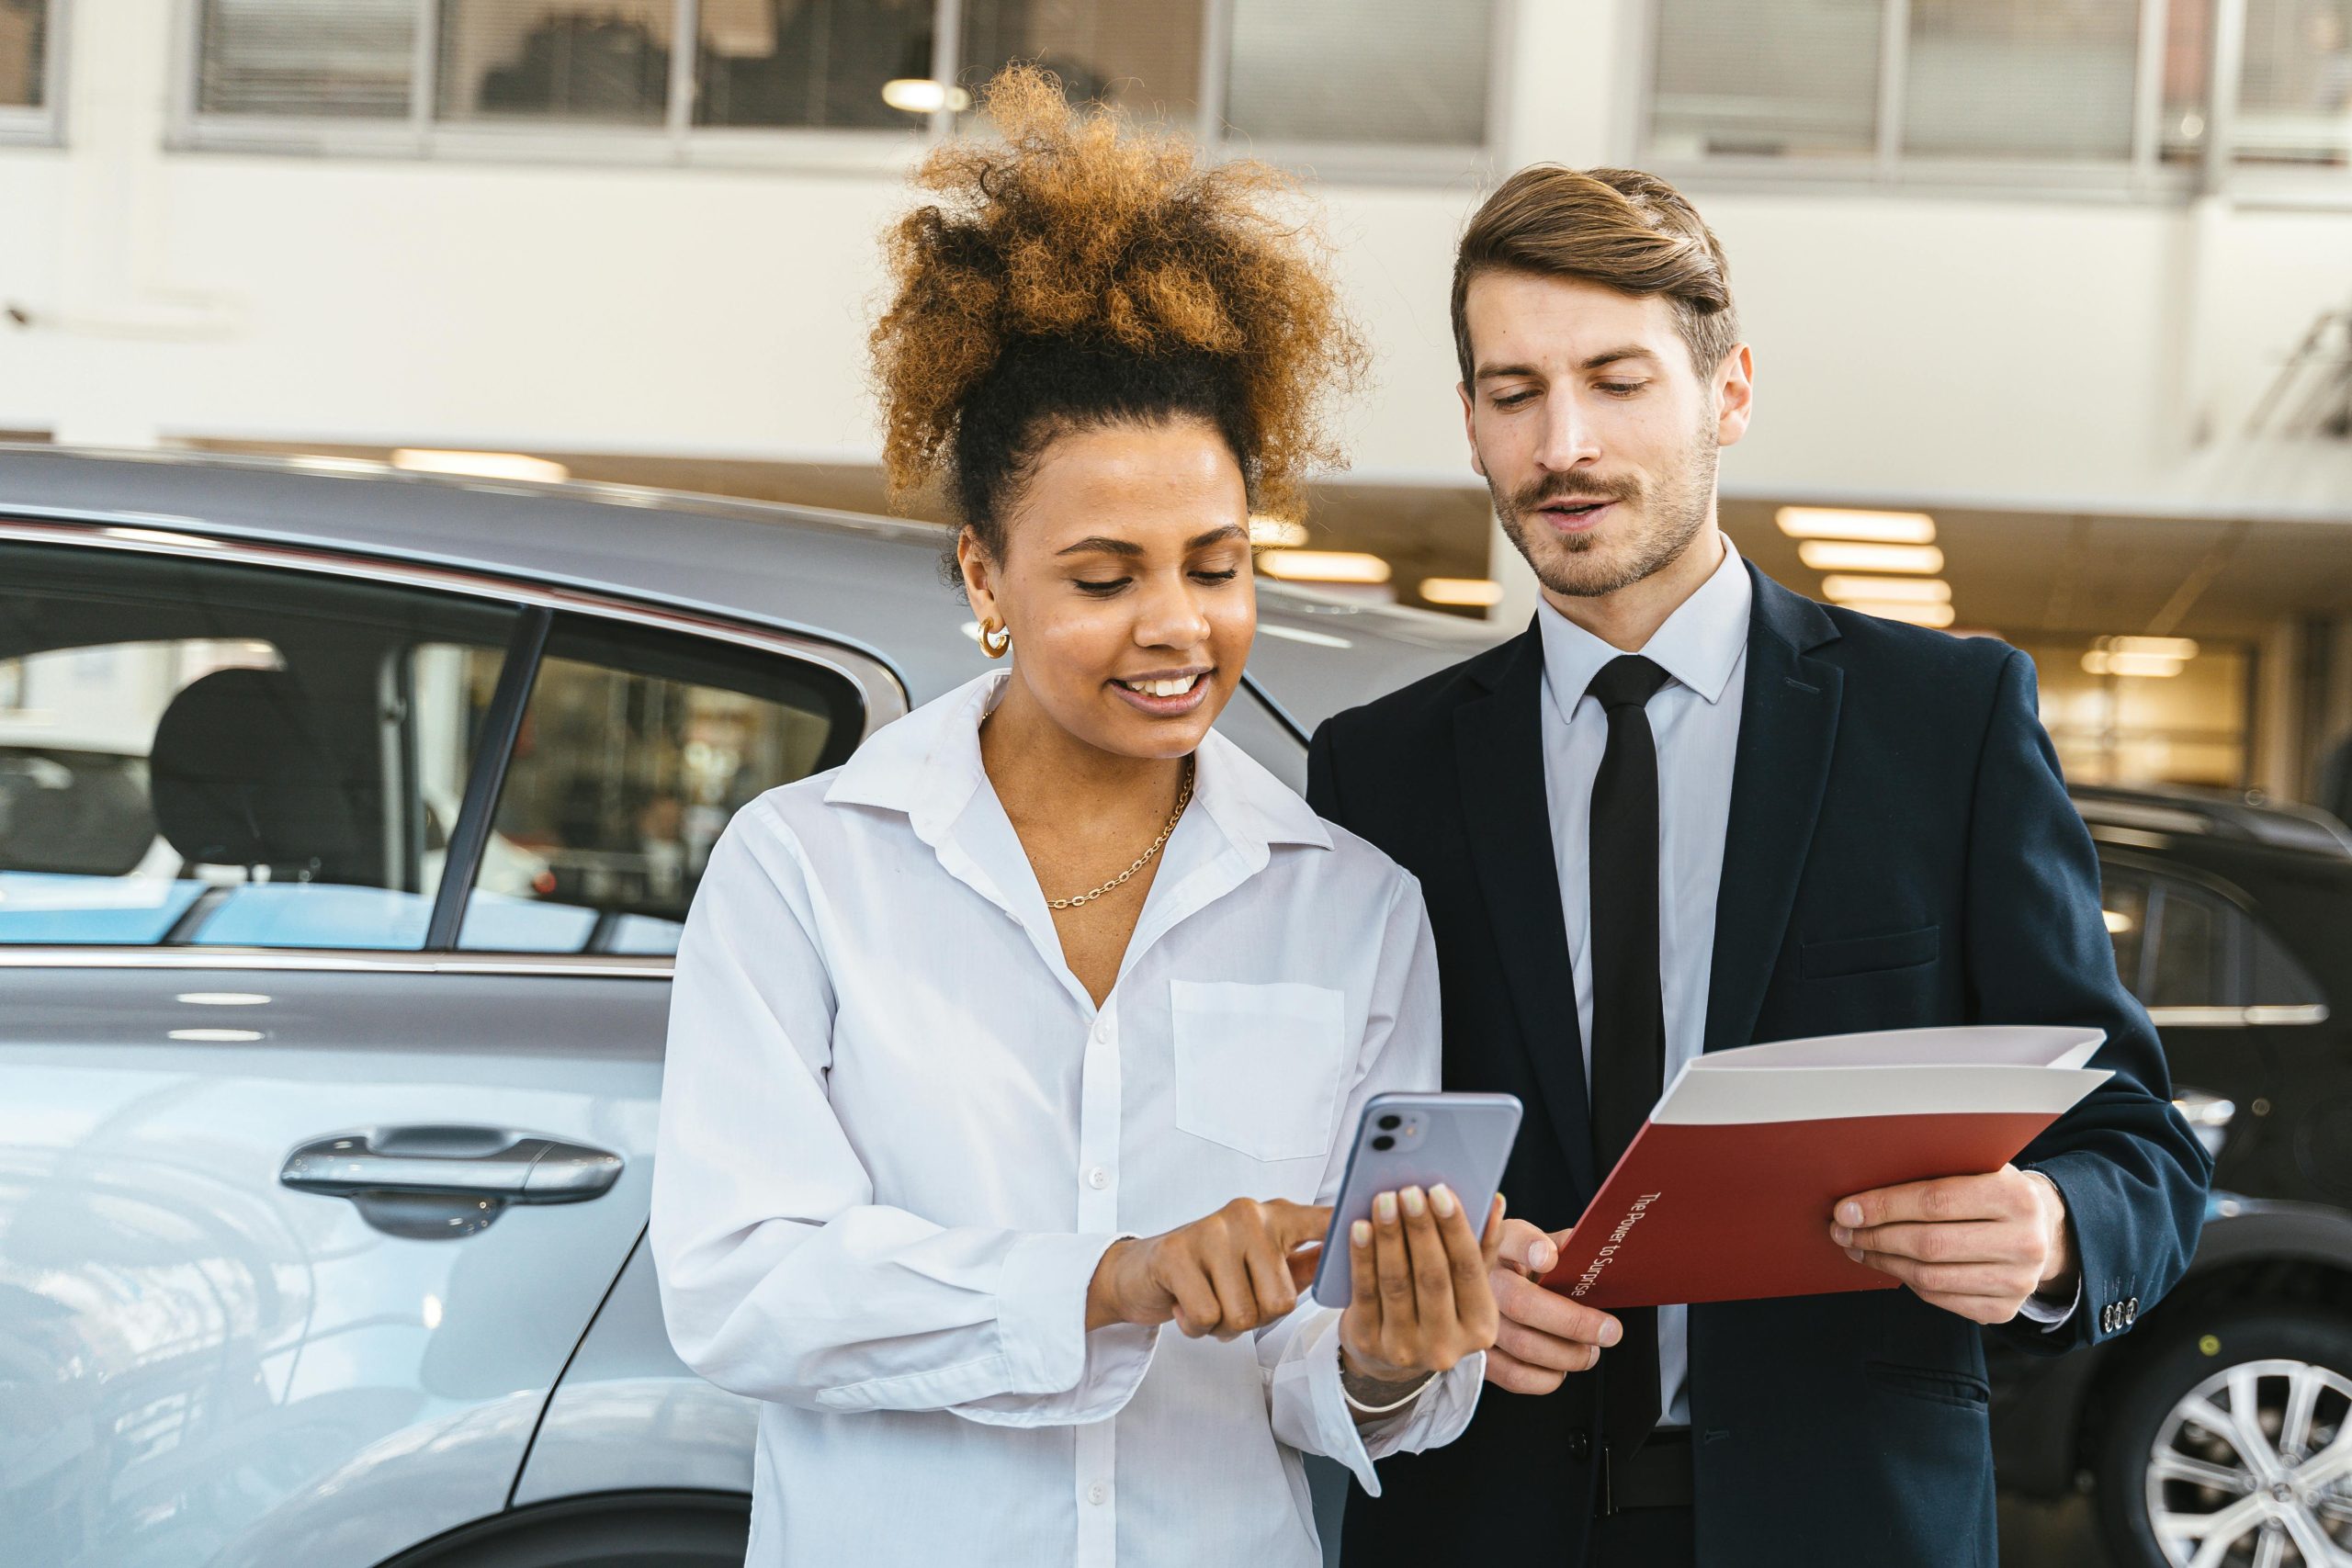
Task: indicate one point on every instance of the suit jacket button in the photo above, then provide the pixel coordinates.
(2130, 1312)
(1580, 1446)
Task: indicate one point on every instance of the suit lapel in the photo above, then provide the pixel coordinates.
(1499, 751)
(1788, 730)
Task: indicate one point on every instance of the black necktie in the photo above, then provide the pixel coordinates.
(1628, 1015)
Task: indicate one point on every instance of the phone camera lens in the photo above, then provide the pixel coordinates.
(1390, 1124)
(1384, 1142)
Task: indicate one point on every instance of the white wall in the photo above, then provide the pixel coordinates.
(1912, 345)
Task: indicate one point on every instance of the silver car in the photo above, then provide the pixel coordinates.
(347, 822)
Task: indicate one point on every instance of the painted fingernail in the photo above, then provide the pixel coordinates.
(1383, 1208)
(1361, 1233)
(1849, 1214)
(1841, 1236)
(1855, 1253)
(1441, 1201)
(1415, 1203)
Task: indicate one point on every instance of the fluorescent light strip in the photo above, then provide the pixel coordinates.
(1937, 615)
(1880, 527)
(1845, 555)
(1323, 566)
(1888, 590)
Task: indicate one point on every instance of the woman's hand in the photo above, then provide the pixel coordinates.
(1421, 1297)
(1226, 1274)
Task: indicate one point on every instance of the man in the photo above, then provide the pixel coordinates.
(1690, 809)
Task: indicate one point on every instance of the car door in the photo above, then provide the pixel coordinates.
(331, 1043)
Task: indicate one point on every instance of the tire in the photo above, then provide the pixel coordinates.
(667, 1529)
(2204, 1368)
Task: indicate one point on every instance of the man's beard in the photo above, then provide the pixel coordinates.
(1666, 519)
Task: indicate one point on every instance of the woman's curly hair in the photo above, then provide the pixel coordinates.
(1079, 274)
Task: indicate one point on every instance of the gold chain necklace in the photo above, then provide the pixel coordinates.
(1183, 798)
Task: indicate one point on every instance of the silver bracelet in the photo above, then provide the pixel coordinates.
(1360, 1409)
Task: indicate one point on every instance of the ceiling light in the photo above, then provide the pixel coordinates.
(919, 95)
(479, 465)
(2148, 666)
(2176, 649)
(1883, 528)
(222, 1036)
(1474, 591)
(1918, 615)
(2118, 922)
(1888, 590)
(1844, 554)
(1324, 566)
(1274, 532)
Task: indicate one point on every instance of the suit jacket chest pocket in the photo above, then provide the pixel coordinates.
(1257, 1065)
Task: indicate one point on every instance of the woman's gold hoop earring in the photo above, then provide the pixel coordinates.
(995, 638)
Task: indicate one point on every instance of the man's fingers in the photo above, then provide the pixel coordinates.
(1933, 1202)
(1527, 1250)
(1490, 1239)
(1237, 1298)
(1364, 1281)
(1269, 1280)
(1544, 1350)
(1548, 1312)
(1994, 1279)
(1514, 1376)
(1304, 1263)
(1196, 1308)
(1963, 1241)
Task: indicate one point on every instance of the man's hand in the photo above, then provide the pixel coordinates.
(1978, 1246)
(1542, 1336)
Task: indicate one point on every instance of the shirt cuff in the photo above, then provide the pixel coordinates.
(2047, 1312)
(1060, 1374)
(1436, 1417)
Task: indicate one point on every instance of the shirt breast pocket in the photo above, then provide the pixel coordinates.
(1257, 1065)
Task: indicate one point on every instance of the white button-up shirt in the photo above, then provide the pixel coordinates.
(898, 1135)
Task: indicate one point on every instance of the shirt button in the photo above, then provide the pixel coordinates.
(1098, 1178)
(1102, 1029)
(1097, 1494)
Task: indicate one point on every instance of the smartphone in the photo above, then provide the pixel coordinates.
(1416, 1140)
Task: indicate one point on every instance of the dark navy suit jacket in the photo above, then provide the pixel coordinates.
(1901, 853)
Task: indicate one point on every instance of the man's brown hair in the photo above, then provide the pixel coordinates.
(1619, 228)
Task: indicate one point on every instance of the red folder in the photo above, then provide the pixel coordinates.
(1726, 1193)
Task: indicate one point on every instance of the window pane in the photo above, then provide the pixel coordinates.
(632, 758)
(349, 60)
(22, 27)
(198, 753)
(819, 63)
(2187, 84)
(1797, 79)
(2295, 97)
(1398, 72)
(556, 60)
(2192, 969)
(2021, 78)
(2123, 900)
(1141, 54)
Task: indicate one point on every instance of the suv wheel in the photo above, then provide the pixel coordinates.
(2232, 1448)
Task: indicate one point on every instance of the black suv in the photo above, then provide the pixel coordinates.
(2220, 1431)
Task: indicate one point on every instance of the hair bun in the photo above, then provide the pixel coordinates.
(1076, 227)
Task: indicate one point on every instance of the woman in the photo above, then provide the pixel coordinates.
(1032, 1031)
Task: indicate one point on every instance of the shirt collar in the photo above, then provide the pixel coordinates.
(927, 766)
(1699, 645)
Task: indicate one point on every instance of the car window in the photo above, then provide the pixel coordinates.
(198, 752)
(2123, 899)
(2179, 944)
(635, 750)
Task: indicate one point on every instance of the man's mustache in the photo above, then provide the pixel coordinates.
(1572, 487)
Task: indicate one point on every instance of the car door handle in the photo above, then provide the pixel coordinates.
(442, 1181)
